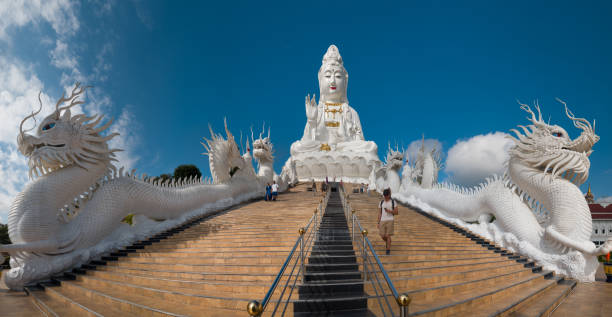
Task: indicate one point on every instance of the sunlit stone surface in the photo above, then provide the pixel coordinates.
(333, 144)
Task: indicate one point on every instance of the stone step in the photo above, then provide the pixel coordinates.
(331, 267)
(436, 257)
(52, 303)
(540, 302)
(442, 279)
(130, 301)
(437, 267)
(332, 280)
(279, 247)
(316, 290)
(207, 288)
(434, 280)
(339, 304)
(264, 259)
(475, 299)
(82, 304)
(211, 268)
(122, 290)
(330, 259)
(200, 276)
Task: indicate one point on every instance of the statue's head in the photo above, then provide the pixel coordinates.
(548, 147)
(333, 78)
(63, 139)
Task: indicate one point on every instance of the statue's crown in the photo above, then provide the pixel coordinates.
(332, 56)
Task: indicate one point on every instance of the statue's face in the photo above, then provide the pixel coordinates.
(332, 84)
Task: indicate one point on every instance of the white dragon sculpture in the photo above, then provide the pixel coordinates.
(427, 166)
(263, 151)
(387, 176)
(71, 210)
(537, 202)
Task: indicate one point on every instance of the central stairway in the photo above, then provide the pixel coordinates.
(332, 283)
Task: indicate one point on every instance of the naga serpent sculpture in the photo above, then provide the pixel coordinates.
(70, 211)
(538, 200)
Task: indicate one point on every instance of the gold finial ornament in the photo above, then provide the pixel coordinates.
(589, 196)
(254, 308)
(301, 231)
(353, 211)
(364, 232)
(325, 147)
(404, 300)
(316, 210)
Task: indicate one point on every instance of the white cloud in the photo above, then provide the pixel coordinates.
(126, 126)
(604, 201)
(470, 161)
(100, 71)
(19, 88)
(102, 6)
(62, 58)
(60, 14)
(415, 146)
(143, 13)
(13, 175)
(20, 85)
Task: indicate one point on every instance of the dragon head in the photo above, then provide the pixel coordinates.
(262, 148)
(549, 148)
(62, 139)
(224, 156)
(394, 159)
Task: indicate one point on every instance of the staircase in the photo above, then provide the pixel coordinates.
(215, 265)
(210, 267)
(332, 283)
(448, 271)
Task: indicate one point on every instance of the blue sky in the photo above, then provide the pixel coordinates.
(166, 70)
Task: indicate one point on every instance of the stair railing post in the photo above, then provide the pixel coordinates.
(403, 301)
(353, 224)
(315, 220)
(364, 252)
(301, 232)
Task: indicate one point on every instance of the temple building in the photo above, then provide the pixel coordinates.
(333, 145)
(602, 219)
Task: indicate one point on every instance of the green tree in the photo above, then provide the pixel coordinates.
(164, 177)
(186, 171)
(4, 237)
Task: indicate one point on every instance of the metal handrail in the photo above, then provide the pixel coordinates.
(255, 308)
(403, 300)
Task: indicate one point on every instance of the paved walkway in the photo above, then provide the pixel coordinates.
(15, 303)
(588, 299)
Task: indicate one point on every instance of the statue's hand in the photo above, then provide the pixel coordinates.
(311, 109)
(349, 123)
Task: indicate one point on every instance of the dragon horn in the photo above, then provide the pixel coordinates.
(32, 115)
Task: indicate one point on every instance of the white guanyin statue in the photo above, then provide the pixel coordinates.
(333, 144)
